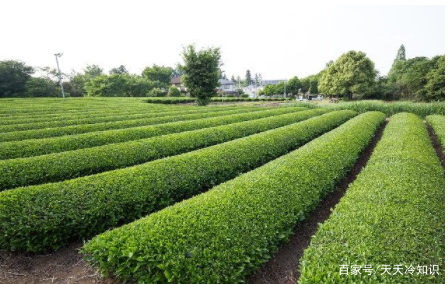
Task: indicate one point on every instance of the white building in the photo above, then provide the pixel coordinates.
(228, 86)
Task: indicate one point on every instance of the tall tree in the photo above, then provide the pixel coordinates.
(293, 86)
(233, 79)
(256, 80)
(120, 70)
(401, 54)
(352, 73)
(13, 77)
(92, 71)
(248, 78)
(201, 72)
(435, 86)
(161, 74)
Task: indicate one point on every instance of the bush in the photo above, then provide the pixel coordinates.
(392, 214)
(158, 118)
(173, 92)
(71, 164)
(437, 122)
(51, 215)
(228, 232)
(40, 87)
(36, 147)
(156, 92)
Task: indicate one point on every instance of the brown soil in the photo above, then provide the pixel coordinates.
(437, 146)
(65, 266)
(282, 268)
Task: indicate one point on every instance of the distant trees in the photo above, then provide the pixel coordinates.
(160, 74)
(248, 80)
(13, 78)
(352, 73)
(120, 70)
(293, 86)
(201, 72)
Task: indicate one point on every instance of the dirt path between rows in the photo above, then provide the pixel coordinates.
(282, 268)
(436, 144)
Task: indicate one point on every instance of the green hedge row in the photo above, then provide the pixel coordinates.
(392, 214)
(192, 100)
(48, 216)
(122, 124)
(228, 232)
(72, 164)
(58, 121)
(437, 123)
(36, 147)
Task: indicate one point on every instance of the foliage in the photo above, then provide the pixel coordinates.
(173, 91)
(229, 231)
(293, 86)
(201, 72)
(352, 73)
(437, 122)
(435, 81)
(392, 214)
(160, 74)
(71, 164)
(40, 87)
(136, 130)
(420, 109)
(156, 92)
(13, 77)
(401, 55)
(248, 79)
(120, 70)
(119, 85)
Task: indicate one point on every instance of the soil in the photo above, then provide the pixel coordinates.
(437, 146)
(283, 267)
(65, 266)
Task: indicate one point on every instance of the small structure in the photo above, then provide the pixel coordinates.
(226, 88)
(177, 82)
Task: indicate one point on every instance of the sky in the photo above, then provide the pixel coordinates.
(278, 39)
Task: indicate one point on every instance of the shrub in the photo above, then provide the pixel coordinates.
(156, 92)
(392, 214)
(120, 124)
(228, 232)
(173, 92)
(71, 164)
(36, 147)
(437, 122)
(48, 216)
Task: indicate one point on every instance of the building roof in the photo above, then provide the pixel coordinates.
(176, 80)
(225, 82)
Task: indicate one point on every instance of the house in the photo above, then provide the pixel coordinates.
(227, 86)
(177, 82)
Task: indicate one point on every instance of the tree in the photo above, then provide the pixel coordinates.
(435, 86)
(120, 85)
(293, 86)
(401, 55)
(233, 79)
(201, 72)
(92, 71)
(248, 78)
(256, 80)
(352, 73)
(173, 92)
(161, 74)
(119, 70)
(13, 77)
(41, 87)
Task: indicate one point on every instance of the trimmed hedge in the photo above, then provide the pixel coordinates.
(85, 128)
(49, 216)
(228, 232)
(53, 122)
(36, 147)
(216, 100)
(72, 164)
(392, 214)
(437, 123)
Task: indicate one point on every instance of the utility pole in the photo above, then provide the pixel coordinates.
(59, 73)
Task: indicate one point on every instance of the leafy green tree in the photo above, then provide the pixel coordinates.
(41, 87)
(401, 54)
(201, 72)
(435, 86)
(156, 92)
(92, 71)
(13, 77)
(352, 73)
(120, 70)
(119, 85)
(173, 92)
(248, 80)
(313, 86)
(161, 74)
(293, 86)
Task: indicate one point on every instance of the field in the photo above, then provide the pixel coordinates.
(113, 190)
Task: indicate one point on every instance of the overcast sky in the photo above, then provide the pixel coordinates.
(274, 38)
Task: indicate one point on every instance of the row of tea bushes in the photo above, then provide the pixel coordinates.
(48, 216)
(392, 214)
(229, 231)
(122, 124)
(72, 164)
(437, 123)
(36, 147)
